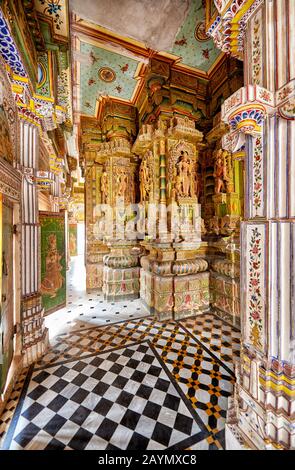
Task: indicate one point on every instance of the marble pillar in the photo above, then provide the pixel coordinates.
(174, 277)
(261, 116)
(34, 333)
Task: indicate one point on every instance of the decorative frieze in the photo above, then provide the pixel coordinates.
(10, 181)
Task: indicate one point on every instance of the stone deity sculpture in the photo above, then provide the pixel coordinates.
(104, 187)
(122, 183)
(144, 179)
(219, 172)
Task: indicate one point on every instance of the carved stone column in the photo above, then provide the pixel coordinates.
(34, 333)
(261, 116)
(174, 278)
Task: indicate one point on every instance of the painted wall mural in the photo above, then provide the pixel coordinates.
(73, 239)
(53, 261)
(192, 44)
(6, 289)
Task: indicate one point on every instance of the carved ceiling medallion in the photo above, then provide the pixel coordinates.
(200, 32)
(106, 74)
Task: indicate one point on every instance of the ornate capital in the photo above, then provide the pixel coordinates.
(246, 109)
(228, 28)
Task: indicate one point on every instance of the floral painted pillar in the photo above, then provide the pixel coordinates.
(34, 333)
(261, 116)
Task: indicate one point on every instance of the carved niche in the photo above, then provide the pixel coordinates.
(146, 176)
(8, 119)
(182, 172)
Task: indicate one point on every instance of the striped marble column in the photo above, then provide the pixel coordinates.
(34, 334)
(161, 144)
(261, 116)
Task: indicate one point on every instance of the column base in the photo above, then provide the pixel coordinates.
(121, 284)
(33, 352)
(190, 313)
(118, 298)
(234, 439)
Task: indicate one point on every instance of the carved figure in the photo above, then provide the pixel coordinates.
(122, 183)
(53, 279)
(229, 173)
(99, 226)
(198, 184)
(219, 172)
(144, 178)
(104, 187)
(214, 225)
(184, 184)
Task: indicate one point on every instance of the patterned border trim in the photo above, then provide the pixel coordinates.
(8, 49)
(10, 181)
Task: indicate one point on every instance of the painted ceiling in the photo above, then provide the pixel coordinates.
(191, 43)
(104, 73)
(109, 68)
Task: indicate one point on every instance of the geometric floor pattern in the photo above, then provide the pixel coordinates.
(221, 338)
(11, 404)
(87, 309)
(199, 382)
(117, 400)
(118, 378)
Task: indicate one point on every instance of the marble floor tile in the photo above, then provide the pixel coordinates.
(116, 378)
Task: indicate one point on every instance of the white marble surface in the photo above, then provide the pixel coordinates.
(85, 310)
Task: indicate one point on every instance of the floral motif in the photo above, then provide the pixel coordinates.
(8, 49)
(200, 32)
(256, 52)
(181, 42)
(265, 95)
(257, 180)
(232, 101)
(254, 287)
(288, 110)
(206, 53)
(124, 68)
(93, 57)
(284, 93)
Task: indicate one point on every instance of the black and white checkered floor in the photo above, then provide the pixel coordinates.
(117, 400)
(135, 384)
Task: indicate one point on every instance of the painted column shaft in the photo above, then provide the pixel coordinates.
(32, 311)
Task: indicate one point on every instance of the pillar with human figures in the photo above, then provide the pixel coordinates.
(34, 333)
(261, 119)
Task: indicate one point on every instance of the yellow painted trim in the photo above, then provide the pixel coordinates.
(225, 8)
(60, 108)
(1, 236)
(239, 155)
(281, 377)
(50, 72)
(243, 10)
(17, 88)
(249, 122)
(110, 48)
(20, 79)
(276, 387)
(43, 98)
